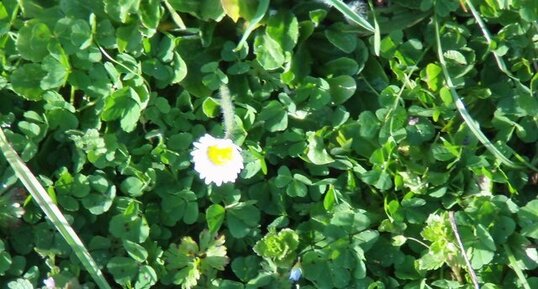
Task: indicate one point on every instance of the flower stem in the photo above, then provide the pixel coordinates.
(227, 111)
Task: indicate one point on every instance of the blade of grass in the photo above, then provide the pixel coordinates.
(175, 16)
(260, 12)
(500, 62)
(515, 266)
(377, 31)
(50, 209)
(351, 15)
(460, 106)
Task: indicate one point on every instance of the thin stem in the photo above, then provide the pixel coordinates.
(107, 56)
(370, 86)
(72, 96)
(462, 249)
(227, 111)
(15, 14)
(418, 241)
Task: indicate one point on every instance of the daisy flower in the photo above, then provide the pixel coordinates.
(217, 160)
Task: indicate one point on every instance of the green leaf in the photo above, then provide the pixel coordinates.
(283, 178)
(431, 261)
(5, 259)
(329, 200)
(455, 56)
(57, 67)
(232, 8)
(481, 257)
(344, 41)
(350, 220)
(123, 104)
(443, 8)
(215, 217)
(180, 206)
(132, 186)
(274, 116)
(420, 132)
(32, 41)
(527, 217)
(296, 189)
(269, 53)
(377, 178)
(242, 220)
(180, 261)
(180, 68)
(246, 268)
(132, 228)
(341, 66)
(215, 251)
(369, 125)
(283, 27)
(278, 246)
(20, 284)
(211, 107)
(81, 34)
(191, 213)
(150, 13)
(342, 88)
(188, 261)
(203, 9)
(180, 141)
(236, 9)
(120, 10)
(137, 252)
(30, 129)
(316, 150)
(101, 202)
(123, 269)
(434, 76)
(24, 80)
(128, 38)
(316, 90)
(147, 277)
(484, 238)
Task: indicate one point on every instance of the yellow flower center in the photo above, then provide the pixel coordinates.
(219, 155)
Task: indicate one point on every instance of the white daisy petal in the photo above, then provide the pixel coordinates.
(217, 160)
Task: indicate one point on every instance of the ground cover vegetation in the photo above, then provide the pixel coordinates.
(384, 144)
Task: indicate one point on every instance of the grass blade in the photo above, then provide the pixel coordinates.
(175, 16)
(515, 266)
(460, 106)
(50, 209)
(377, 30)
(351, 15)
(260, 12)
(500, 62)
